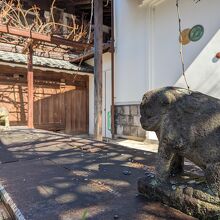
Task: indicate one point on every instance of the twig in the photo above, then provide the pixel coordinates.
(51, 11)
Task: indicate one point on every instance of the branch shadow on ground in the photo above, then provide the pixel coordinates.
(58, 176)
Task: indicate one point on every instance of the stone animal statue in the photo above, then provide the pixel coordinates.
(4, 117)
(187, 125)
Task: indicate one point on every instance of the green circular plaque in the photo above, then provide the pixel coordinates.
(196, 33)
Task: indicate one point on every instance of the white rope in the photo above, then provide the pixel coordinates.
(181, 45)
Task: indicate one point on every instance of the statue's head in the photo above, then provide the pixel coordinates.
(153, 106)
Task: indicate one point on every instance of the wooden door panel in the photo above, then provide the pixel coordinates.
(55, 108)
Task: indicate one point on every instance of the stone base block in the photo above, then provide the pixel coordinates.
(186, 193)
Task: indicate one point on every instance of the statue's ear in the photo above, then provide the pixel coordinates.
(167, 98)
(164, 101)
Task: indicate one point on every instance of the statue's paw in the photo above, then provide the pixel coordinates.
(151, 178)
(154, 182)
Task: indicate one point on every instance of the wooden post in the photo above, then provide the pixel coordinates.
(30, 82)
(98, 43)
(113, 70)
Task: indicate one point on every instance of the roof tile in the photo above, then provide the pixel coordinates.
(43, 61)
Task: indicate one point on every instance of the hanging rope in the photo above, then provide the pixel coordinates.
(181, 45)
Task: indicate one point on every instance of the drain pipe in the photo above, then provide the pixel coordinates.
(113, 70)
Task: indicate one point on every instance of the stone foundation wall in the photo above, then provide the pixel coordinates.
(127, 121)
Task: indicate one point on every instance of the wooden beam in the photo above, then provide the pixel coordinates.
(89, 54)
(30, 82)
(81, 2)
(42, 37)
(98, 41)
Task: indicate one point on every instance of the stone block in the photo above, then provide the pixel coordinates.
(127, 130)
(130, 120)
(119, 130)
(118, 110)
(125, 110)
(134, 110)
(141, 132)
(136, 121)
(123, 120)
(134, 131)
(117, 119)
(139, 111)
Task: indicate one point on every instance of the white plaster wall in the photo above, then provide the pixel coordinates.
(106, 95)
(166, 61)
(133, 32)
(204, 73)
(130, 54)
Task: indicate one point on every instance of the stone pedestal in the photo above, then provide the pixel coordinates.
(187, 193)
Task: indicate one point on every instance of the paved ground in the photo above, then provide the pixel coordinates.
(54, 176)
(150, 146)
